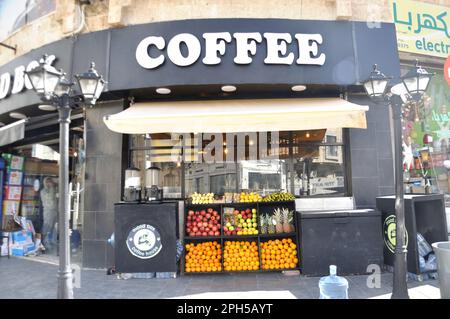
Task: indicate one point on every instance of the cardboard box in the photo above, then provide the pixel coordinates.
(49, 168)
(14, 162)
(22, 250)
(22, 237)
(32, 165)
(11, 207)
(14, 177)
(29, 193)
(12, 193)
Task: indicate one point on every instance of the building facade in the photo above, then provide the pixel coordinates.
(347, 162)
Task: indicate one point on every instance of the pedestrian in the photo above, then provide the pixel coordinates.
(50, 210)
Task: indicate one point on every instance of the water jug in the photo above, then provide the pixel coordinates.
(333, 286)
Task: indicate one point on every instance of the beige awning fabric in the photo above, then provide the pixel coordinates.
(235, 116)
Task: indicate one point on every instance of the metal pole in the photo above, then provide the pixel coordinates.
(400, 289)
(65, 282)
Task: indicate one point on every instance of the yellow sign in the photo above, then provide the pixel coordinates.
(422, 28)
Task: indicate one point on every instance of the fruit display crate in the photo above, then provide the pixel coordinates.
(222, 238)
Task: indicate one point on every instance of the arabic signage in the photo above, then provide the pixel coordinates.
(422, 28)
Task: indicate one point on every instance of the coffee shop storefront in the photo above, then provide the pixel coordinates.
(205, 102)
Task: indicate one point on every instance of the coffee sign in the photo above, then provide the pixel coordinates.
(215, 46)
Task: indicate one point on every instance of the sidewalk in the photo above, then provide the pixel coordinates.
(27, 278)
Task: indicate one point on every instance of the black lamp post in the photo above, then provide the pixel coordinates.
(54, 89)
(416, 83)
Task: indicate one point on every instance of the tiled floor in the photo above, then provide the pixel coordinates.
(26, 278)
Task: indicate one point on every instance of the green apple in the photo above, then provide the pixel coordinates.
(239, 216)
(244, 225)
(228, 225)
(255, 225)
(254, 210)
(249, 220)
(231, 228)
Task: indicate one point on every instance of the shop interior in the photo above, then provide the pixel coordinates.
(37, 198)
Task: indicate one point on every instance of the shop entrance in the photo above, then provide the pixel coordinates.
(37, 190)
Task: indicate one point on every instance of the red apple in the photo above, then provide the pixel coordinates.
(218, 217)
(213, 218)
(225, 228)
(203, 213)
(248, 210)
(204, 234)
(214, 228)
(236, 212)
(195, 229)
(208, 215)
(188, 224)
(191, 213)
(218, 226)
(211, 233)
(216, 233)
(249, 215)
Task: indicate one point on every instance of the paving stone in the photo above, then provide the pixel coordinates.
(26, 278)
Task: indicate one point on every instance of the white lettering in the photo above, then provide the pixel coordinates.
(30, 67)
(174, 50)
(308, 49)
(276, 45)
(215, 43)
(5, 82)
(244, 46)
(142, 55)
(19, 78)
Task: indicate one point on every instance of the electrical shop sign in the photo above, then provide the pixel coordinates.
(214, 46)
(17, 81)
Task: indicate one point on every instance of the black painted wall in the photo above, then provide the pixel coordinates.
(372, 165)
(103, 185)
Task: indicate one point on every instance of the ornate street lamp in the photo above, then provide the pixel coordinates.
(55, 89)
(376, 84)
(416, 82)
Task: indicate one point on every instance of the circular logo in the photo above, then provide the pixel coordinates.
(390, 233)
(144, 241)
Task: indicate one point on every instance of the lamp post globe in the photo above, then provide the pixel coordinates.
(91, 84)
(416, 81)
(376, 84)
(44, 78)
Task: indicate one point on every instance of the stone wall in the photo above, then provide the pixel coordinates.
(104, 14)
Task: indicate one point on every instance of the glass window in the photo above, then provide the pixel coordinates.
(305, 163)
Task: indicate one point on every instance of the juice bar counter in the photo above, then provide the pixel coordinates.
(145, 237)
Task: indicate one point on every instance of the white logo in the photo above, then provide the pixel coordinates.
(144, 241)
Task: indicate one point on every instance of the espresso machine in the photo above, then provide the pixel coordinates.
(153, 184)
(132, 191)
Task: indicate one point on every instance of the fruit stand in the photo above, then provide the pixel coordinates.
(255, 236)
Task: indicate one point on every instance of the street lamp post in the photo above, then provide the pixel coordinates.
(54, 89)
(416, 83)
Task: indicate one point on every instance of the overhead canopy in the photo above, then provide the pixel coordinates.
(235, 116)
(12, 132)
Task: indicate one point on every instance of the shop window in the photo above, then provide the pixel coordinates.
(305, 163)
(426, 140)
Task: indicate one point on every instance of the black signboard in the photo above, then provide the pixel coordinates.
(145, 237)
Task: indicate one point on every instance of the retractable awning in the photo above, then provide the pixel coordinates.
(12, 132)
(235, 116)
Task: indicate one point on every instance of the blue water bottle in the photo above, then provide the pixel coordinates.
(333, 286)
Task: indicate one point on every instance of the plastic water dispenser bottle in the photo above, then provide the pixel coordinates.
(333, 286)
